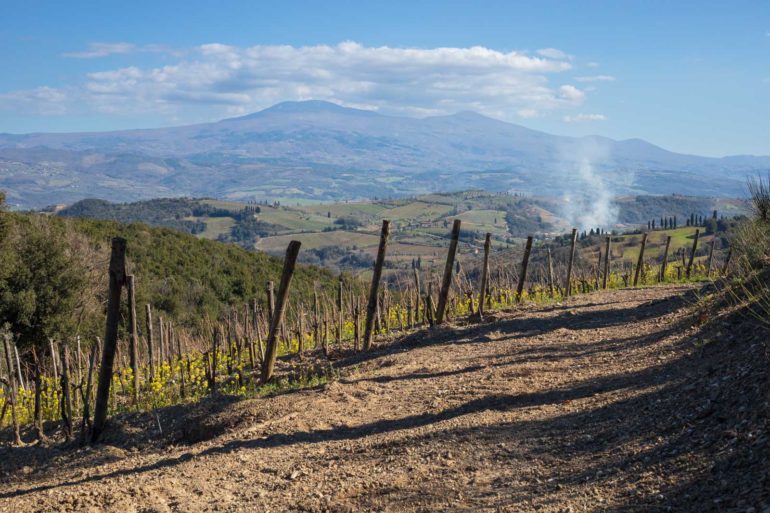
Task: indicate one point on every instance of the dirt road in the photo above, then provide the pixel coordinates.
(566, 408)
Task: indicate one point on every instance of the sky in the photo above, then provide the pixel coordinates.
(693, 77)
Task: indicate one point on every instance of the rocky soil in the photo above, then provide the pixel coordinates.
(632, 400)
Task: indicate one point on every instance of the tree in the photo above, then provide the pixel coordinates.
(41, 281)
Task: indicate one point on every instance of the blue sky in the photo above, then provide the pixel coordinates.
(693, 77)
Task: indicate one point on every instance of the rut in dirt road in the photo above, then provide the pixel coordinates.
(607, 402)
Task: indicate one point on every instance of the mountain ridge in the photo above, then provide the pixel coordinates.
(318, 150)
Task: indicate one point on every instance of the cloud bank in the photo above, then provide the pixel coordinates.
(218, 80)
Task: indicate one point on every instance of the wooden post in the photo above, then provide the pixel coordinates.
(54, 364)
(371, 307)
(640, 262)
(692, 254)
(711, 256)
(357, 324)
(727, 261)
(524, 265)
(66, 397)
(117, 273)
(664, 264)
(270, 299)
(290, 261)
(301, 331)
(419, 296)
(607, 257)
(182, 384)
(150, 341)
(134, 336)
(87, 396)
(21, 382)
(484, 276)
(219, 337)
(38, 416)
(7, 341)
(340, 313)
(571, 261)
(446, 282)
(550, 272)
(316, 319)
(161, 345)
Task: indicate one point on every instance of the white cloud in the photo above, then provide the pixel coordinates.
(595, 78)
(46, 101)
(593, 64)
(215, 80)
(102, 50)
(584, 117)
(553, 53)
(571, 93)
(98, 49)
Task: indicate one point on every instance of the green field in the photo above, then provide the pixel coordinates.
(313, 240)
(348, 232)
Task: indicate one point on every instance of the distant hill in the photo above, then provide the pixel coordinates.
(345, 235)
(321, 151)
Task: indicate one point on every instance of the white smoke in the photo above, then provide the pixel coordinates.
(589, 185)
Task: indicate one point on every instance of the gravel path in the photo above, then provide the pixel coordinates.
(560, 408)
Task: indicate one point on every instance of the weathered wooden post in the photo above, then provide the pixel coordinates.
(357, 324)
(38, 416)
(117, 274)
(711, 256)
(316, 318)
(270, 299)
(692, 254)
(89, 388)
(446, 282)
(150, 340)
(550, 272)
(66, 397)
(484, 276)
(219, 338)
(161, 345)
(12, 390)
(571, 261)
(727, 261)
(340, 313)
(664, 264)
(640, 261)
(54, 364)
(371, 307)
(607, 258)
(524, 265)
(133, 335)
(290, 261)
(419, 296)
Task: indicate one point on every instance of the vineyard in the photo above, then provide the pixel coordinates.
(157, 363)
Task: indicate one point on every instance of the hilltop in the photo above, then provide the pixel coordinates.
(321, 151)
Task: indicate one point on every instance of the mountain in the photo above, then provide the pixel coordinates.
(322, 151)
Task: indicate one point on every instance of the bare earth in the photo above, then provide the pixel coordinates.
(603, 403)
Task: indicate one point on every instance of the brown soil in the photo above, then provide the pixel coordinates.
(623, 401)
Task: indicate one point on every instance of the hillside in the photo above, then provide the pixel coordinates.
(320, 151)
(183, 277)
(344, 235)
(623, 401)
